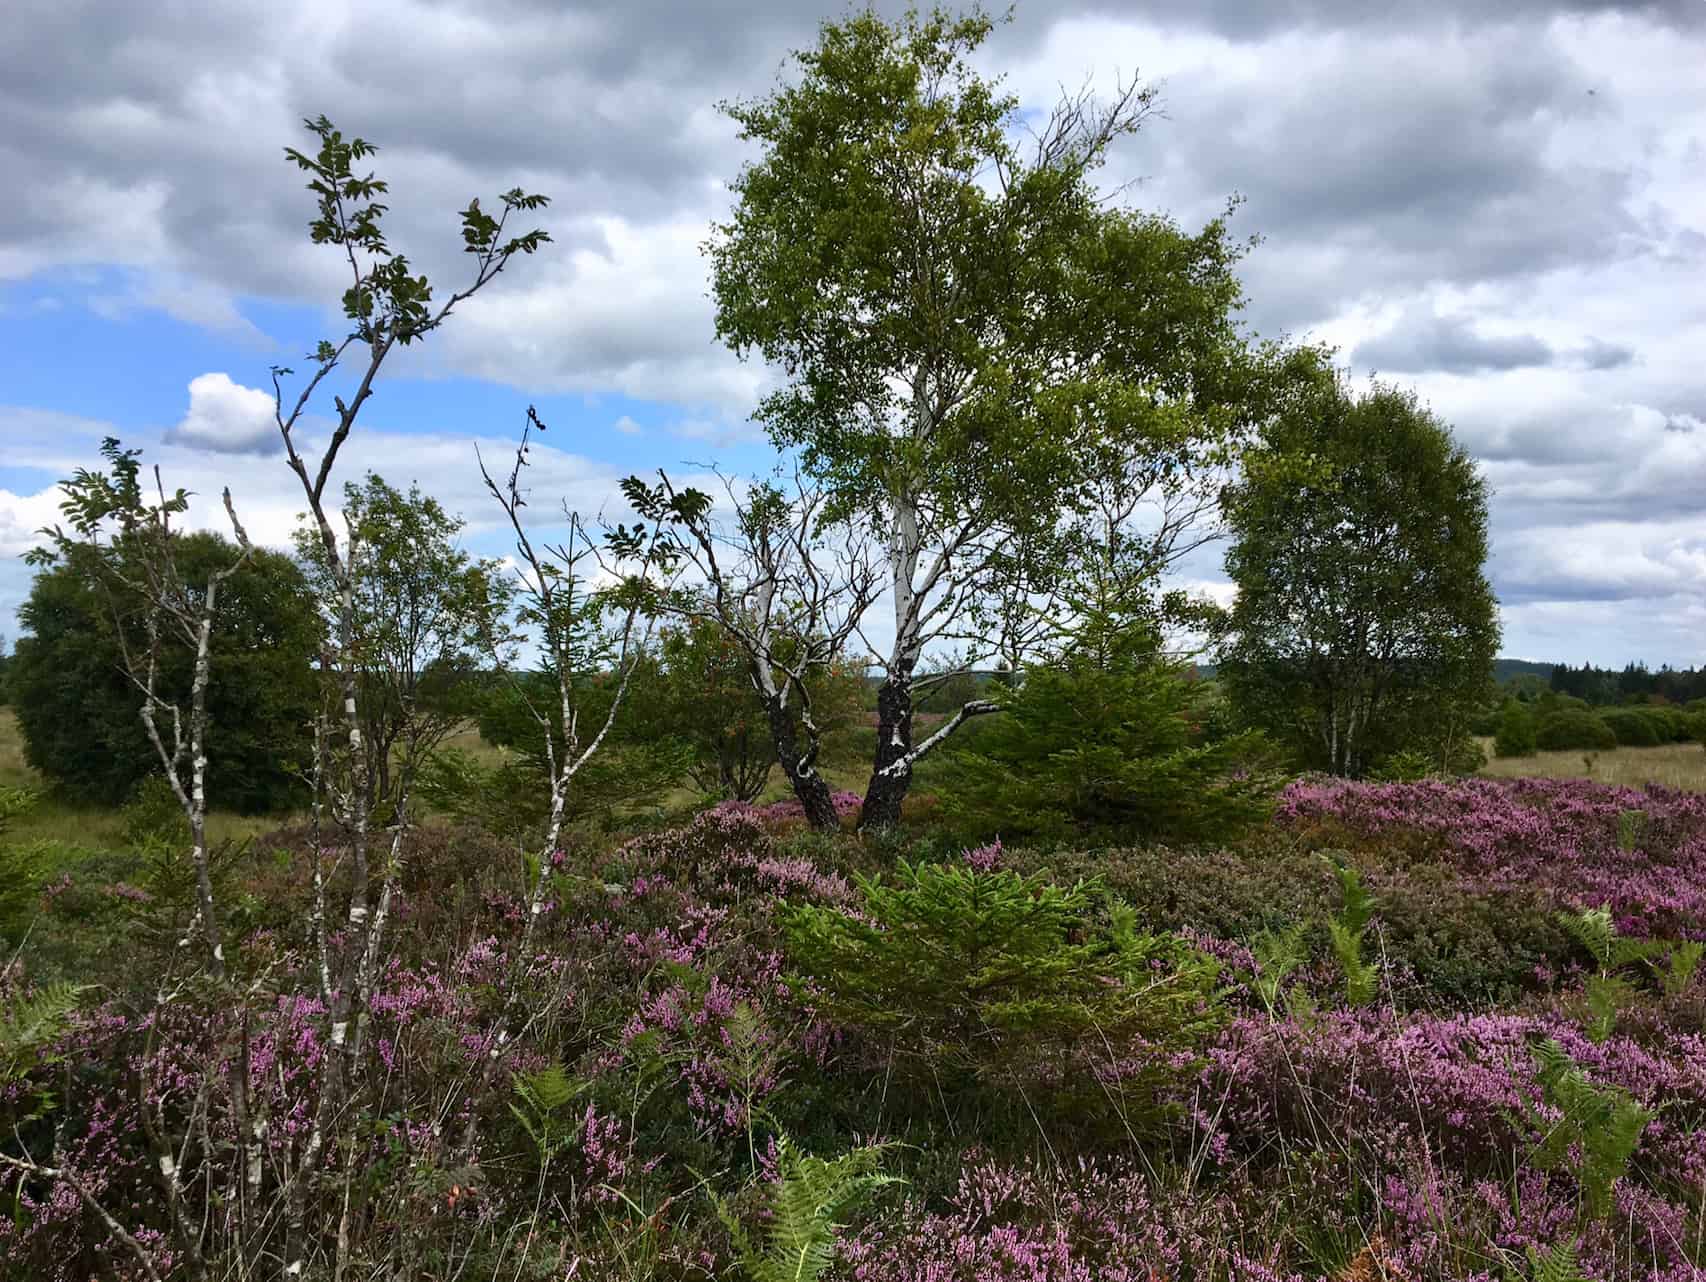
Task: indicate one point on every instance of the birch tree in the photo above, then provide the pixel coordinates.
(1364, 623)
(218, 1153)
(386, 306)
(959, 316)
(568, 615)
(790, 585)
(127, 543)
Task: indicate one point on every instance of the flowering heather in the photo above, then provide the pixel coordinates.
(1557, 835)
(846, 805)
(1406, 1140)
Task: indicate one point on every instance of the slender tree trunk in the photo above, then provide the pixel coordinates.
(810, 787)
(891, 776)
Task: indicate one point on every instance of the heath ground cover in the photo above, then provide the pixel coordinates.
(732, 1039)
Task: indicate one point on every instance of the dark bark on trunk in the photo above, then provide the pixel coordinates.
(809, 786)
(891, 774)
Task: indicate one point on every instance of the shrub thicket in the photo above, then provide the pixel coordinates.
(1634, 728)
(1570, 728)
(1516, 733)
(80, 713)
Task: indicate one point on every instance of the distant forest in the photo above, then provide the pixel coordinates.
(1635, 683)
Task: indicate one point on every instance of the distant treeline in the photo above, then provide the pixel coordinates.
(1636, 683)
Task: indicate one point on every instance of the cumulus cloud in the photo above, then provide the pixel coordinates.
(227, 417)
(1504, 204)
(1452, 344)
(1598, 354)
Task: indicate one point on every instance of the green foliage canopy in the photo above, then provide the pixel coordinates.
(702, 693)
(79, 711)
(966, 329)
(1107, 754)
(1515, 736)
(1364, 623)
(423, 612)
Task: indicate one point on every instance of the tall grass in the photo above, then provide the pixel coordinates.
(1672, 765)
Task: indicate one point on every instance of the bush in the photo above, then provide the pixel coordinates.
(1671, 725)
(1444, 940)
(1117, 753)
(79, 713)
(998, 976)
(1516, 733)
(1572, 728)
(1632, 727)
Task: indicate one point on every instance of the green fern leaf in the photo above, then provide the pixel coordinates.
(1557, 1263)
(807, 1203)
(29, 1021)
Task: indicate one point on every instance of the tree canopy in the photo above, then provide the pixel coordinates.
(79, 711)
(422, 612)
(1364, 623)
(967, 328)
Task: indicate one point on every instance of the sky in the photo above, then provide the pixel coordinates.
(1502, 205)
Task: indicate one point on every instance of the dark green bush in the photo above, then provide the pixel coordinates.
(1671, 724)
(80, 714)
(1106, 753)
(1516, 733)
(1573, 728)
(1633, 728)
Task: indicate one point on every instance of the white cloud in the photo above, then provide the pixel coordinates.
(194, 302)
(1443, 161)
(625, 310)
(227, 417)
(22, 516)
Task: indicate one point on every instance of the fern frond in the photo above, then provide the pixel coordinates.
(1347, 929)
(1685, 955)
(1592, 928)
(31, 1020)
(1557, 1263)
(806, 1204)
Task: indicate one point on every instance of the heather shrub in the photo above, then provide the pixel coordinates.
(1555, 838)
(1440, 938)
(1072, 1221)
(1445, 943)
(1572, 728)
(1226, 892)
(1461, 1087)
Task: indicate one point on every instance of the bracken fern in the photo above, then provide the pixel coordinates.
(806, 1203)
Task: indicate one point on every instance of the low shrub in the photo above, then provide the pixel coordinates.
(1516, 734)
(1634, 728)
(1000, 977)
(1442, 938)
(1573, 728)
